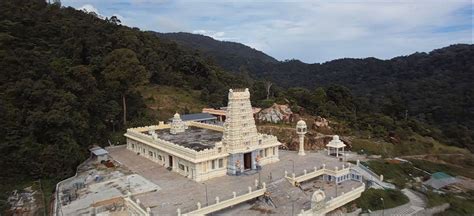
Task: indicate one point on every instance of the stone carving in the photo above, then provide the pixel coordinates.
(317, 200)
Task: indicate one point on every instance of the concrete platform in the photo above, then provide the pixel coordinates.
(179, 192)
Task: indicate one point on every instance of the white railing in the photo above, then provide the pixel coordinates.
(206, 126)
(334, 203)
(219, 205)
(293, 179)
(134, 207)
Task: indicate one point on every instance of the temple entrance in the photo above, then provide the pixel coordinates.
(170, 160)
(248, 161)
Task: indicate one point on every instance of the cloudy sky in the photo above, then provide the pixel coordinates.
(312, 30)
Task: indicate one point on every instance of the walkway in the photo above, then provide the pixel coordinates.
(180, 192)
(416, 204)
(371, 176)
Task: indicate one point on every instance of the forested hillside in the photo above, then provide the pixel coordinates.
(67, 76)
(68, 79)
(434, 88)
(234, 57)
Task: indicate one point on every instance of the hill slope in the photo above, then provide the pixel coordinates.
(434, 87)
(229, 55)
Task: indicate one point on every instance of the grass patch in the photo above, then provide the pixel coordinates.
(460, 204)
(370, 147)
(418, 145)
(164, 101)
(432, 167)
(398, 174)
(370, 199)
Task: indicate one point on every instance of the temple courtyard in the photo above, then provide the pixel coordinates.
(178, 192)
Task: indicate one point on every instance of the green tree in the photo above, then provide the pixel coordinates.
(123, 73)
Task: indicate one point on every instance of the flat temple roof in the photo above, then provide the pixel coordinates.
(193, 138)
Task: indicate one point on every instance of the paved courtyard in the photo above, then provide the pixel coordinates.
(179, 192)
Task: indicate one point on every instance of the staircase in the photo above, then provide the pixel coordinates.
(371, 176)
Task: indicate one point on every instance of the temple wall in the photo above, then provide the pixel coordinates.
(196, 171)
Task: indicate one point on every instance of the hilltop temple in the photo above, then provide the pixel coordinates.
(203, 151)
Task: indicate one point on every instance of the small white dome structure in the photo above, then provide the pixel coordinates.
(177, 125)
(301, 130)
(335, 144)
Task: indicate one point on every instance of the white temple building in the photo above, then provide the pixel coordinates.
(202, 151)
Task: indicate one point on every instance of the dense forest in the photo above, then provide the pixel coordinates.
(433, 88)
(69, 78)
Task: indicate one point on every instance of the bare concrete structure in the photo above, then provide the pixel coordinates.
(202, 151)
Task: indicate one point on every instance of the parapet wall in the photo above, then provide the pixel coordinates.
(169, 147)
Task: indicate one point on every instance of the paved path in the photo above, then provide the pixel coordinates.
(180, 192)
(416, 204)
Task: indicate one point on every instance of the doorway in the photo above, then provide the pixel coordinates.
(170, 158)
(247, 161)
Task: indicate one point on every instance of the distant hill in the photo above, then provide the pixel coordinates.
(229, 55)
(434, 87)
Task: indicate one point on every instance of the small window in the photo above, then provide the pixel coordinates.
(133, 146)
(181, 166)
(213, 164)
(260, 142)
(219, 150)
(159, 157)
(261, 153)
(221, 163)
(150, 153)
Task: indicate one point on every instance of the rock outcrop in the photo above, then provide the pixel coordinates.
(320, 123)
(275, 114)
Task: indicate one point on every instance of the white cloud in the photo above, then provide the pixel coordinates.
(310, 30)
(89, 8)
(218, 35)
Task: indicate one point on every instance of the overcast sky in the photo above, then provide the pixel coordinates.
(312, 31)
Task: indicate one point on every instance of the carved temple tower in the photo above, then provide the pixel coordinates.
(240, 131)
(241, 139)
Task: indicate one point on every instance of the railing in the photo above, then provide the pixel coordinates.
(374, 178)
(334, 203)
(206, 126)
(368, 170)
(317, 172)
(219, 205)
(134, 207)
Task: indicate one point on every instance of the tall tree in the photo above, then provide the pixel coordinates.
(123, 73)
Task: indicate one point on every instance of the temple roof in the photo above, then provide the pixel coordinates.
(336, 142)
